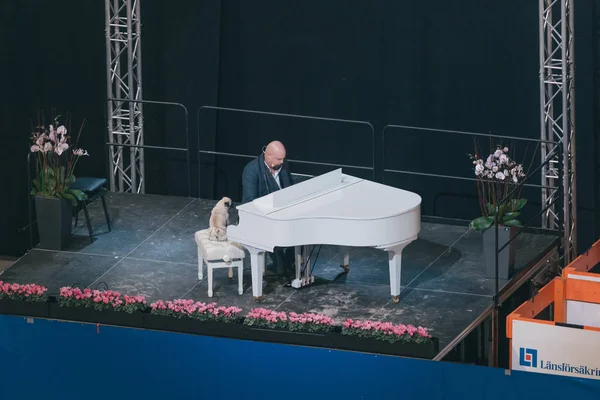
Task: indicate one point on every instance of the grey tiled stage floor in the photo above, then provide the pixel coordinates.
(151, 251)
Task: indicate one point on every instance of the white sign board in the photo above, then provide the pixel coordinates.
(557, 350)
(583, 313)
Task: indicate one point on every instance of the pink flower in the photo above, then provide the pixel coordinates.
(378, 329)
(61, 148)
(29, 292)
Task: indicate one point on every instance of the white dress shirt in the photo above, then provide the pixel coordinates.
(275, 174)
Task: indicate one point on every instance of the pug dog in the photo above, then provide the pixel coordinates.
(219, 220)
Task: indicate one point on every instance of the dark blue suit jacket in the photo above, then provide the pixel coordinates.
(257, 180)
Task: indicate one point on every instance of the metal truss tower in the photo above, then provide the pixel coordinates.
(124, 89)
(557, 98)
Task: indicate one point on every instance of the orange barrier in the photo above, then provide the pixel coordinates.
(569, 343)
(555, 293)
(581, 265)
(552, 293)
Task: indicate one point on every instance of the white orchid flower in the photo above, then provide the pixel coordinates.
(61, 148)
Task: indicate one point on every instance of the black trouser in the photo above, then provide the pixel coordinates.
(283, 259)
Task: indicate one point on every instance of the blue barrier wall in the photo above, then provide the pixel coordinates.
(63, 360)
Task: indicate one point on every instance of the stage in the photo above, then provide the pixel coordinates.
(151, 252)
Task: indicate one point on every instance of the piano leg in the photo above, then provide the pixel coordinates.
(302, 260)
(345, 252)
(395, 261)
(257, 265)
(298, 262)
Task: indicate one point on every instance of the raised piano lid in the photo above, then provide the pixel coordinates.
(334, 195)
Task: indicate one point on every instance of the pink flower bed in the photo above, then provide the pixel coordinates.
(310, 322)
(189, 309)
(386, 331)
(100, 300)
(133, 303)
(30, 292)
(263, 318)
(180, 308)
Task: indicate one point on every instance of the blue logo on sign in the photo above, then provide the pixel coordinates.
(528, 357)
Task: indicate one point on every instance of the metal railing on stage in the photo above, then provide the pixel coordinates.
(185, 149)
(455, 177)
(285, 115)
(492, 311)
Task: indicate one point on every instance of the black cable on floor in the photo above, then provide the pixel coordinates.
(315, 262)
(311, 252)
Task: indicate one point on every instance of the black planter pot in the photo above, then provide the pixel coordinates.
(234, 329)
(506, 257)
(24, 308)
(106, 317)
(324, 339)
(54, 217)
(336, 340)
(414, 350)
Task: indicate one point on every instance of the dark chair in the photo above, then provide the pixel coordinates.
(93, 188)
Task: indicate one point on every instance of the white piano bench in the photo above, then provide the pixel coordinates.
(219, 255)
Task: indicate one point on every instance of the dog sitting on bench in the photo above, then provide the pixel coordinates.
(219, 220)
(214, 248)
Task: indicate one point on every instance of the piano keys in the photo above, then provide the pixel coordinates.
(330, 209)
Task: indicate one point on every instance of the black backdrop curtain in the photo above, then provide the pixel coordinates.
(470, 66)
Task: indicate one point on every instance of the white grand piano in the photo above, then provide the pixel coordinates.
(330, 209)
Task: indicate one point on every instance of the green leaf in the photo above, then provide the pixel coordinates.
(510, 216)
(518, 204)
(492, 209)
(481, 223)
(68, 196)
(78, 194)
(35, 187)
(512, 222)
(51, 184)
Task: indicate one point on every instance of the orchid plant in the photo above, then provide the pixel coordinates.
(497, 177)
(55, 163)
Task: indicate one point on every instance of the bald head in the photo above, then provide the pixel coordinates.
(275, 154)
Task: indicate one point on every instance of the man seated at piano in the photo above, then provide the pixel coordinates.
(266, 174)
